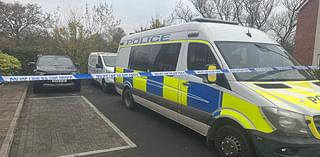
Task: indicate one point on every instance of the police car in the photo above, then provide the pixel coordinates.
(242, 114)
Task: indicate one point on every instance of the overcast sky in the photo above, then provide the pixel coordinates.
(132, 13)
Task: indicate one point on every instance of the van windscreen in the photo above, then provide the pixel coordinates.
(257, 55)
(109, 60)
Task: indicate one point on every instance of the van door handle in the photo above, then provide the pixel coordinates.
(186, 83)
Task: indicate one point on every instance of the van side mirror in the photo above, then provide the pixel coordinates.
(99, 66)
(210, 78)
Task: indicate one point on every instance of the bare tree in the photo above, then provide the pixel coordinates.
(182, 12)
(16, 18)
(253, 13)
(100, 20)
(284, 23)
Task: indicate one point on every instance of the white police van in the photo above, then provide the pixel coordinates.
(102, 62)
(270, 113)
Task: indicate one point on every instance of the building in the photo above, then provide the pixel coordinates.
(307, 40)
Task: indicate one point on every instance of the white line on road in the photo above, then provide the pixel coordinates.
(98, 151)
(56, 97)
(6, 144)
(116, 129)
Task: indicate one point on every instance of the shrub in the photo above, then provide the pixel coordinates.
(9, 65)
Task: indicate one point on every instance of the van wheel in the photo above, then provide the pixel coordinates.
(128, 99)
(231, 141)
(104, 86)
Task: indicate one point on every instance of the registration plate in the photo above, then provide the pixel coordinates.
(59, 81)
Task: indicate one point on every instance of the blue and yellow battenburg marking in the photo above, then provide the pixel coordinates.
(128, 74)
(201, 97)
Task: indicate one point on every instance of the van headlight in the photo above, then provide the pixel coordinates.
(287, 122)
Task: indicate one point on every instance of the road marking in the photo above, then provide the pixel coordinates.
(6, 144)
(98, 151)
(56, 97)
(116, 129)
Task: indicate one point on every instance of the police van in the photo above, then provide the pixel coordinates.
(271, 113)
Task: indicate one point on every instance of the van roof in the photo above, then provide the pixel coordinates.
(210, 31)
(104, 53)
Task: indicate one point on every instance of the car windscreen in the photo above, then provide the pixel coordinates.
(109, 60)
(257, 55)
(55, 61)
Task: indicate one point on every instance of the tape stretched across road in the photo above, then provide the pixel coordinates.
(139, 74)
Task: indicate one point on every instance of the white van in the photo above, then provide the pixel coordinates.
(102, 62)
(269, 114)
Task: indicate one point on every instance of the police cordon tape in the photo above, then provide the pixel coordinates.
(140, 74)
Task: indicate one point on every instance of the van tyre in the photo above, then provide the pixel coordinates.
(127, 99)
(232, 141)
(104, 86)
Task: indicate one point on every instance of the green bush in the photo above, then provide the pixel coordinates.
(9, 65)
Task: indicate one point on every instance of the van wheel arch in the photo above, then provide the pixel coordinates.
(216, 124)
(230, 123)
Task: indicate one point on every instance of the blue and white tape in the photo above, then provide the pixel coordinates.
(139, 74)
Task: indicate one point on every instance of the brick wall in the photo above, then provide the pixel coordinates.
(306, 30)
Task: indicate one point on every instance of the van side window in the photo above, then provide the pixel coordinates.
(155, 57)
(199, 56)
(100, 60)
(93, 60)
(167, 58)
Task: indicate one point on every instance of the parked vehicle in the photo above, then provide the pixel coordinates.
(55, 65)
(102, 62)
(268, 114)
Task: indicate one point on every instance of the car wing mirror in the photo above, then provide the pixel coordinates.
(210, 78)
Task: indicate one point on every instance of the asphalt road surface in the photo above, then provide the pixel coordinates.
(153, 134)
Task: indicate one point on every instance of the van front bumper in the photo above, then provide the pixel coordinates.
(275, 145)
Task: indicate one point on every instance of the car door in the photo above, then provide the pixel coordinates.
(198, 100)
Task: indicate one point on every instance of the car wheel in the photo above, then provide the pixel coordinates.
(104, 86)
(127, 99)
(231, 141)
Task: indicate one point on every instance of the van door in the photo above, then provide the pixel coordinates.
(99, 69)
(162, 90)
(92, 63)
(198, 100)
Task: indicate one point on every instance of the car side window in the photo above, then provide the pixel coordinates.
(199, 56)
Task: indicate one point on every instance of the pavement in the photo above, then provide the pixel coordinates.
(12, 98)
(95, 124)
